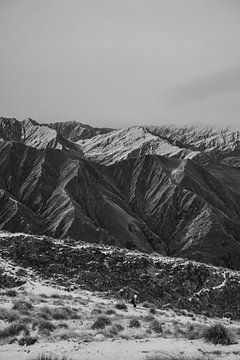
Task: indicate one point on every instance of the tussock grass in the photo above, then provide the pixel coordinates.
(9, 315)
(101, 322)
(58, 313)
(219, 334)
(156, 326)
(23, 306)
(46, 325)
(121, 306)
(13, 330)
(50, 357)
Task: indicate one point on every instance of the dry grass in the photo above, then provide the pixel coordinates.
(13, 330)
(9, 315)
(50, 357)
(23, 306)
(58, 313)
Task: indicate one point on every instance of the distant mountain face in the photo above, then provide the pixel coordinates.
(171, 190)
(74, 131)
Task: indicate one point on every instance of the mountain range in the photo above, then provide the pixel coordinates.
(159, 189)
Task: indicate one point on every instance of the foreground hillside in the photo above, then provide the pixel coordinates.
(68, 298)
(174, 283)
(173, 191)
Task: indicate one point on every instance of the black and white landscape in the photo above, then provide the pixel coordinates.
(119, 180)
(89, 212)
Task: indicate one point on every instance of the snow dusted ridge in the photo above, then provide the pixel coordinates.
(132, 142)
(187, 142)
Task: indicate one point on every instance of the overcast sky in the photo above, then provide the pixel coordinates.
(120, 62)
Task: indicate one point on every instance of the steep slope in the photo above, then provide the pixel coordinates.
(74, 130)
(41, 137)
(70, 197)
(193, 212)
(10, 129)
(132, 142)
(35, 135)
(212, 143)
(171, 283)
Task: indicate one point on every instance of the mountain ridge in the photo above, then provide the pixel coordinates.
(142, 188)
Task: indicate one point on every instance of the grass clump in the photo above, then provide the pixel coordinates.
(101, 322)
(46, 325)
(9, 314)
(50, 357)
(58, 313)
(219, 334)
(134, 323)
(115, 329)
(121, 306)
(156, 326)
(13, 330)
(23, 306)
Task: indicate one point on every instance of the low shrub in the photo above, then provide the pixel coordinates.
(219, 334)
(101, 322)
(121, 306)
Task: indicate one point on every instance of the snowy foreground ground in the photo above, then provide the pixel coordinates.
(62, 323)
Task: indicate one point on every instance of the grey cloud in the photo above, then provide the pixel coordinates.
(207, 86)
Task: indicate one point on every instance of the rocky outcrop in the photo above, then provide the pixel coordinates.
(74, 130)
(168, 282)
